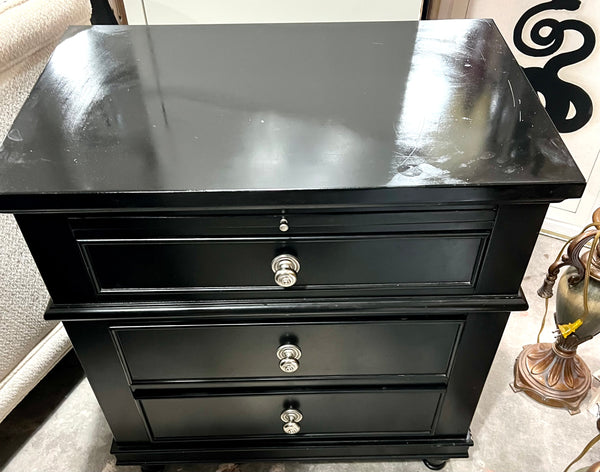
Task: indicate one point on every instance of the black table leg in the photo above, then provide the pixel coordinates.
(435, 464)
(153, 468)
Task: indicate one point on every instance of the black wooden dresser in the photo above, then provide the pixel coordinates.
(274, 242)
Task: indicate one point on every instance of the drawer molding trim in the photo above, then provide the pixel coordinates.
(466, 282)
(446, 337)
(388, 400)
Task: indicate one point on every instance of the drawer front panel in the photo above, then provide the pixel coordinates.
(193, 352)
(221, 264)
(334, 413)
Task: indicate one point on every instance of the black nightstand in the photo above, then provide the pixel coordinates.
(274, 242)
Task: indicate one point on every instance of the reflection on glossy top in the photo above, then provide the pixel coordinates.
(273, 107)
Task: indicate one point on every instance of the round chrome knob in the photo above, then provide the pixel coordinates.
(288, 356)
(291, 418)
(283, 225)
(285, 268)
(288, 365)
(291, 428)
(285, 277)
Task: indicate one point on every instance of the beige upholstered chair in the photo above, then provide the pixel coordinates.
(29, 346)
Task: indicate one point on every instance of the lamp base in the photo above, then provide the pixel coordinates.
(552, 375)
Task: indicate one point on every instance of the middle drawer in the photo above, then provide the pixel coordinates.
(197, 352)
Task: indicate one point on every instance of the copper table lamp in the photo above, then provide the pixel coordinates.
(593, 468)
(553, 373)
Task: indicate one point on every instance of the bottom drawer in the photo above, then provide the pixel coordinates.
(382, 411)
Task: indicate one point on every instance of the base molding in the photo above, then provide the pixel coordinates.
(380, 449)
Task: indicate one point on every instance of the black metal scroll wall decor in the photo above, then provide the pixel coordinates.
(557, 93)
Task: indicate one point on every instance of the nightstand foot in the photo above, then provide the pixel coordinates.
(435, 464)
(152, 468)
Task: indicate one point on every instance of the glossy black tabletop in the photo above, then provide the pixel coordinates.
(225, 109)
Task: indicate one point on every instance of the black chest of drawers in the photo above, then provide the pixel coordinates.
(290, 242)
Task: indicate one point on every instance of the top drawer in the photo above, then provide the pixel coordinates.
(210, 256)
(313, 255)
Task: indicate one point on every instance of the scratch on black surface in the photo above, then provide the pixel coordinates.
(512, 93)
(418, 140)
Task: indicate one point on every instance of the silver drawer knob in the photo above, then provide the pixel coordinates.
(285, 268)
(291, 418)
(288, 356)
